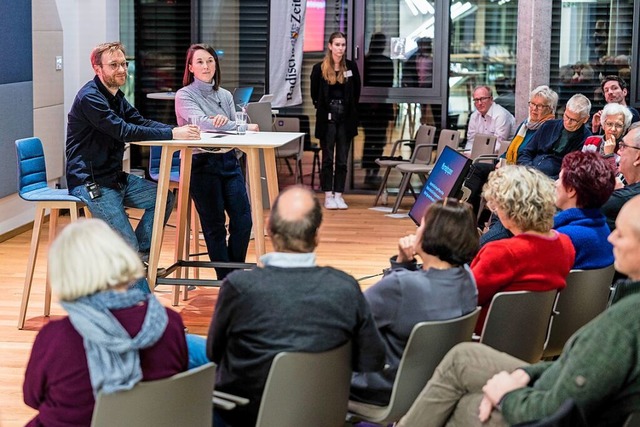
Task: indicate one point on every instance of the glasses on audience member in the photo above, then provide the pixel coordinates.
(613, 125)
(571, 120)
(115, 65)
(535, 106)
(481, 99)
(621, 144)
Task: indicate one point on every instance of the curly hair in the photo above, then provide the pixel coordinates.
(523, 194)
(591, 176)
(450, 232)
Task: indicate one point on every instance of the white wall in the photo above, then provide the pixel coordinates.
(85, 23)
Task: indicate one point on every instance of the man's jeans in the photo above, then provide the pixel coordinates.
(109, 207)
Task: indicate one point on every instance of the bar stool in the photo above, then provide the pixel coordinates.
(32, 187)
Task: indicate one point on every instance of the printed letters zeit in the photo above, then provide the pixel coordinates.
(292, 66)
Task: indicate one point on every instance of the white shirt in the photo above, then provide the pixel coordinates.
(498, 121)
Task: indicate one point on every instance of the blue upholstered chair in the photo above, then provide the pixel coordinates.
(32, 187)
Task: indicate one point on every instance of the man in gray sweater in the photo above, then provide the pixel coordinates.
(288, 304)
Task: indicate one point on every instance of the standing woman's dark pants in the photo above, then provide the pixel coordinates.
(335, 140)
(218, 186)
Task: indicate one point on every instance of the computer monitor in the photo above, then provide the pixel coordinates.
(260, 113)
(242, 96)
(445, 180)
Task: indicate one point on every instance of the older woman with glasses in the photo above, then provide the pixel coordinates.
(542, 107)
(615, 119)
(557, 138)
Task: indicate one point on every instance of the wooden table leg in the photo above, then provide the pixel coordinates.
(255, 197)
(158, 219)
(183, 208)
(271, 172)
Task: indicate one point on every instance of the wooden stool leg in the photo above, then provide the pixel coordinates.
(31, 263)
(53, 227)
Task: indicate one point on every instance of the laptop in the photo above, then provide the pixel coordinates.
(260, 113)
(445, 180)
(267, 97)
(242, 96)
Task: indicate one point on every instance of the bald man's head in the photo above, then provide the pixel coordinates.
(295, 219)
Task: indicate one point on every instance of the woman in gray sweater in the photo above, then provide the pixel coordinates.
(217, 182)
(443, 288)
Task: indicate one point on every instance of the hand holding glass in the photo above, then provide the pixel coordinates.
(194, 121)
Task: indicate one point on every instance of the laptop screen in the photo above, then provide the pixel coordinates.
(260, 114)
(445, 180)
(241, 96)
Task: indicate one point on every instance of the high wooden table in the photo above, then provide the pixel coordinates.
(250, 144)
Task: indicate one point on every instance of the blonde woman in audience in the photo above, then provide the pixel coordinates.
(475, 385)
(113, 336)
(536, 258)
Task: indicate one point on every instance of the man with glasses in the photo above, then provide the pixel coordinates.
(615, 90)
(100, 122)
(489, 118)
(629, 167)
(556, 138)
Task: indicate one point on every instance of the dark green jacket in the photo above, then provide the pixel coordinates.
(599, 369)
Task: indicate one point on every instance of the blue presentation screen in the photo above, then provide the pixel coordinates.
(445, 180)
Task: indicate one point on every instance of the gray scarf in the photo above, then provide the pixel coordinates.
(112, 355)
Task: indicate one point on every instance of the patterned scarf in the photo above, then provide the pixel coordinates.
(527, 125)
(112, 355)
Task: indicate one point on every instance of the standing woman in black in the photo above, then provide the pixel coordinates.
(335, 90)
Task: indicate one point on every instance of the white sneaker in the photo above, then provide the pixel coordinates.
(330, 203)
(340, 203)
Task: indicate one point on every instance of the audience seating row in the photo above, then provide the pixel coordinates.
(312, 389)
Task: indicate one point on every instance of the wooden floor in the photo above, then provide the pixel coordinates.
(358, 241)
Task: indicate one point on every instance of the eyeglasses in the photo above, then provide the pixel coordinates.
(621, 144)
(537, 106)
(115, 65)
(612, 125)
(571, 120)
(483, 99)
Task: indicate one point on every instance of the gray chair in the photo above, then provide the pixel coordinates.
(633, 420)
(181, 400)
(302, 389)
(517, 323)
(483, 146)
(392, 160)
(581, 301)
(428, 343)
(291, 150)
(447, 137)
(33, 187)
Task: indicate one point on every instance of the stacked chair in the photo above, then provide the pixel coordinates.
(424, 137)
